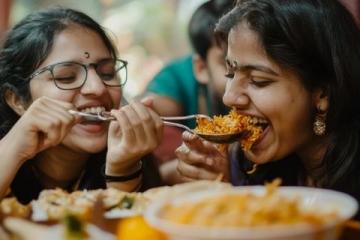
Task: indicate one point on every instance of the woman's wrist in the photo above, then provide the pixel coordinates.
(12, 151)
(9, 152)
(132, 172)
(116, 168)
(133, 185)
(9, 165)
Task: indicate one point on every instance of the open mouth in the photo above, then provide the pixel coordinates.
(259, 122)
(92, 111)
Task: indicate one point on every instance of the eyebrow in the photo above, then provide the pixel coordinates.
(249, 67)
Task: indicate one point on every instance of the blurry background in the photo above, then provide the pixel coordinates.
(147, 33)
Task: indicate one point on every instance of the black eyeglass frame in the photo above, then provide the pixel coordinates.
(51, 67)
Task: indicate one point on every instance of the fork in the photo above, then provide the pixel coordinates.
(216, 138)
(106, 116)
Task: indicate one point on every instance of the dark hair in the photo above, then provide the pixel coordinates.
(27, 45)
(319, 40)
(202, 24)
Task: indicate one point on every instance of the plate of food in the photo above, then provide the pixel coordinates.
(89, 214)
(54, 204)
(254, 212)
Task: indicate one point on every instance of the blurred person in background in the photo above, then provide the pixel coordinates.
(192, 84)
(58, 60)
(195, 83)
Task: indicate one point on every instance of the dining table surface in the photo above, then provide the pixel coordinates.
(351, 231)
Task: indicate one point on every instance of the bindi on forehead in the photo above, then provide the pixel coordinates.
(86, 54)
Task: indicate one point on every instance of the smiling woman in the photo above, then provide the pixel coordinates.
(44, 73)
(291, 64)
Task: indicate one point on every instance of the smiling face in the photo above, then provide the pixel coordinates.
(71, 45)
(259, 87)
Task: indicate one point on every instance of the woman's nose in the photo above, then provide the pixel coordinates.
(236, 96)
(93, 84)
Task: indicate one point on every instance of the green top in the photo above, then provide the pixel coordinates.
(177, 81)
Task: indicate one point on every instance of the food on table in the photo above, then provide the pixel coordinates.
(135, 228)
(243, 210)
(55, 204)
(11, 207)
(164, 192)
(73, 213)
(70, 228)
(233, 123)
(74, 228)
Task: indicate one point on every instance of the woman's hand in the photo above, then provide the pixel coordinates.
(200, 159)
(44, 124)
(137, 132)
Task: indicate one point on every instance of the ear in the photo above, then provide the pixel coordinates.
(200, 69)
(14, 102)
(321, 100)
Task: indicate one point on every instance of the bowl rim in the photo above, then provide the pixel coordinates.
(256, 232)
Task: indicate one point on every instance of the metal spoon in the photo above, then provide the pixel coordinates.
(216, 138)
(106, 116)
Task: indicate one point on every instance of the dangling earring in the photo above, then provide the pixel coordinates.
(319, 123)
(252, 170)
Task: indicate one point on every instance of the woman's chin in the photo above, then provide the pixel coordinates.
(91, 146)
(259, 156)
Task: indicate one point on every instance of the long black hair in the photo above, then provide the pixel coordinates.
(27, 45)
(319, 40)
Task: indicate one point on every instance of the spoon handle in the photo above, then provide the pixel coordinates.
(106, 116)
(179, 126)
(179, 118)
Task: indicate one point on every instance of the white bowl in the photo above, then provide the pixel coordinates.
(312, 199)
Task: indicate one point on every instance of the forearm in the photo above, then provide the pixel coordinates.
(9, 165)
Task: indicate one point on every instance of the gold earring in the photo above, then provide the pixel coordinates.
(252, 170)
(319, 124)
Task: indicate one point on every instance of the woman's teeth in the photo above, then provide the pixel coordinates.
(261, 122)
(94, 110)
(256, 120)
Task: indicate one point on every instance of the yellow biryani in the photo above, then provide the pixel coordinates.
(230, 123)
(243, 210)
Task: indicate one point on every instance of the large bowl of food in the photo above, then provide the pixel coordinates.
(254, 212)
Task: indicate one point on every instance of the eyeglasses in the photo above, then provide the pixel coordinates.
(73, 75)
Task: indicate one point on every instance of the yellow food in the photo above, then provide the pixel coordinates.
(11, 207)
(230, 123)
(243, 210)
(135, 228)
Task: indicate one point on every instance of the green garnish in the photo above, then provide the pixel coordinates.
(126, 203)
(74, 228)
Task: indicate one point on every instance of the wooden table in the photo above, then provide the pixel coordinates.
(351, 231)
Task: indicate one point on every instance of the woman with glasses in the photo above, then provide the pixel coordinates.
(54, 63)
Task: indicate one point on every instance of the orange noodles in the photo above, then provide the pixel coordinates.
(246, 209)
(230, 123)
